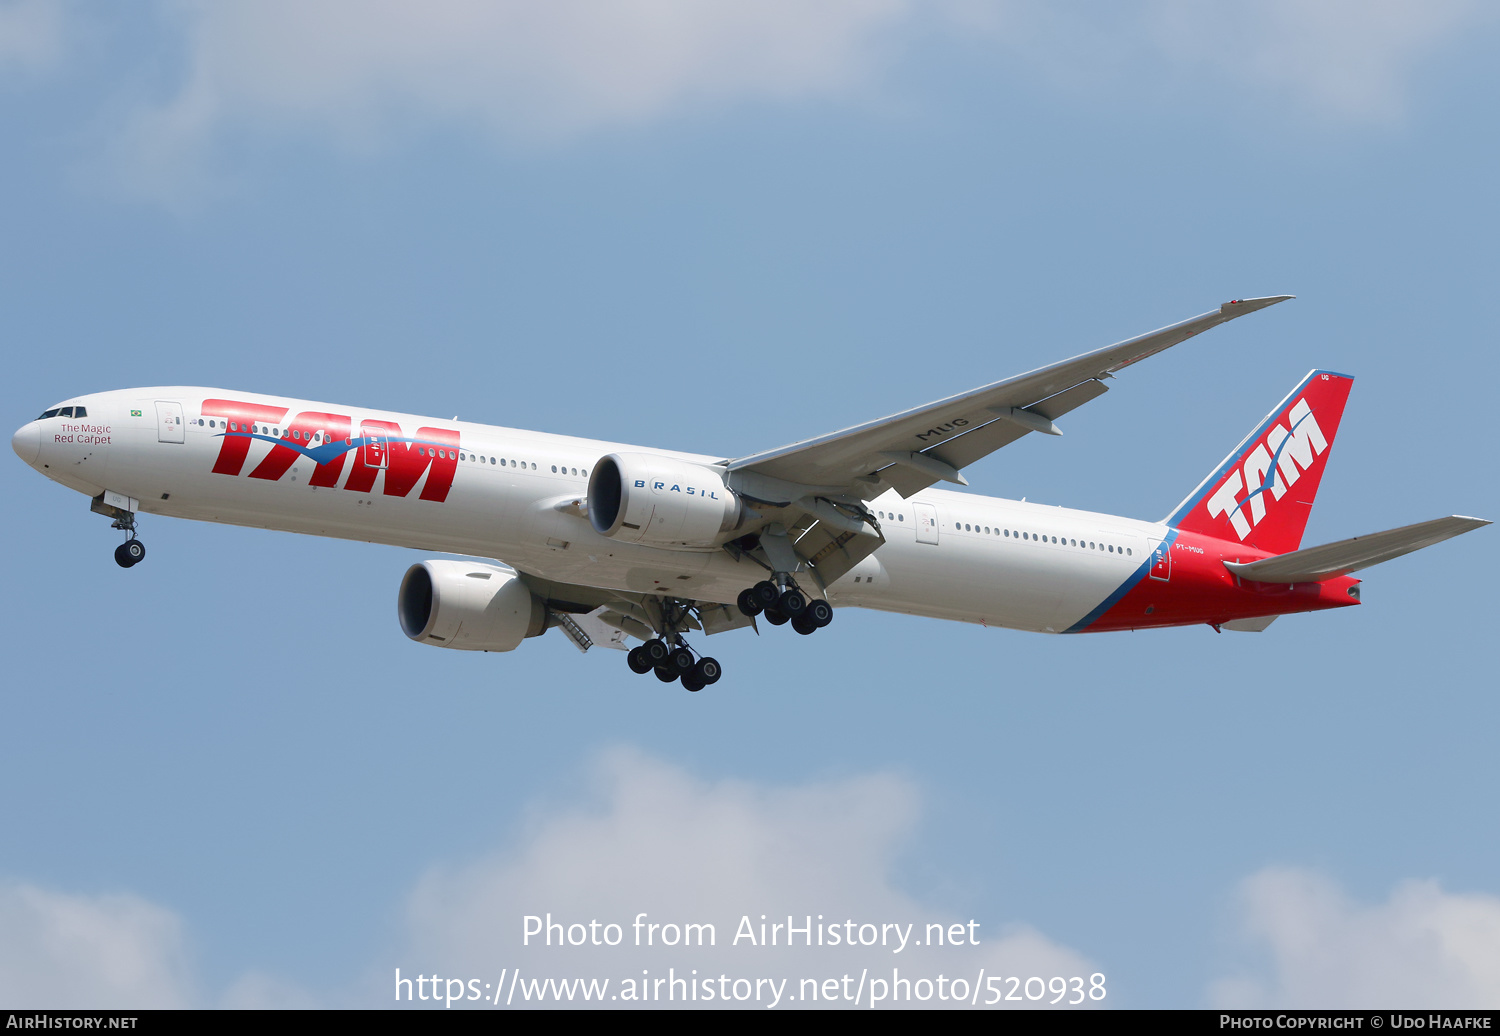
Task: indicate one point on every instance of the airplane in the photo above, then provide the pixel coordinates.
(608, 541)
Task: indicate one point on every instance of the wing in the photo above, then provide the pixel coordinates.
(912, 450)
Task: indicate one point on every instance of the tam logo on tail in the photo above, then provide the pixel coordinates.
(1262, 493)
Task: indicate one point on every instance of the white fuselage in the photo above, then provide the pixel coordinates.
(998, 562)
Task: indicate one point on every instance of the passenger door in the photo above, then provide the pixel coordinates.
(927, 523)
(1161, 561)
(169, 426)
(376, 451)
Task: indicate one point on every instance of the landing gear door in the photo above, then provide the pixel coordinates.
(927, 523)
(1161, 561)
(169, 426)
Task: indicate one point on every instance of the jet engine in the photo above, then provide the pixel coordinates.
(468, 606)
(660, 502)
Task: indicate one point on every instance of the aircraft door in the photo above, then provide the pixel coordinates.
(1161, 561)
(927, 523)
(376, 451)
(169, 427)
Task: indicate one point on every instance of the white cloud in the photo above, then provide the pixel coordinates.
(362, 71)
(31, 33)
(61, 950)
(356, 69)
(645, 837)
(1340, 60)
(1422, 948)
(658, 841)
(1348, 58)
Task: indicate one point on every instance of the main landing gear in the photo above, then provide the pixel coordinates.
(784, 604)
(672, 660)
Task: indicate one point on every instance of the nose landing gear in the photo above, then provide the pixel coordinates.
(130, 553)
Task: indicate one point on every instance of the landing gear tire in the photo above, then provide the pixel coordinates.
(655, 651)
(766, 594)
(774, 617)
(638, 662)
(680, 661)
(707, 671)
(792, 603)
(130, 553)
(692, 681)
(803, 625)
(819, 613)
(749, 603)
(664, 675)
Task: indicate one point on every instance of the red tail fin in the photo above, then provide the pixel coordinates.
(1262, 494)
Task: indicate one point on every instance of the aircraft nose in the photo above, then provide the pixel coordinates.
(27, 442)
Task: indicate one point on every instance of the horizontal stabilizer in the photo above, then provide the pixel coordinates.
(1351, 555)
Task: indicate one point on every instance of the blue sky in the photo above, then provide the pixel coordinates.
(229, 779)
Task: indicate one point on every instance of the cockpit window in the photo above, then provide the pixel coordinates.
(80, 411)
(48, 413)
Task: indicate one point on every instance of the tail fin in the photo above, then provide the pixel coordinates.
(1262, 493)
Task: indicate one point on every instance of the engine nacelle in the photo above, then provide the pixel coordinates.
(660, 502)
(468, 606)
